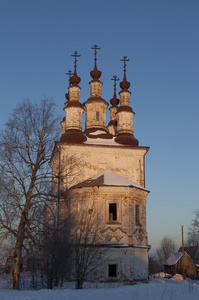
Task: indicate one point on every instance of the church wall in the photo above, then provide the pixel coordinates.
(131, 264)
(124, 229)
(127, 162)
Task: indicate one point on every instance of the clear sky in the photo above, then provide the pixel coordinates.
(161, 38)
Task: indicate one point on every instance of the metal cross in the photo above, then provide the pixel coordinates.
(75, 55)
(124, 60)
(70, 73)
(95, 47)
(115, 79)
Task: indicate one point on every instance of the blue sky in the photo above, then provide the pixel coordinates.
(161, 38)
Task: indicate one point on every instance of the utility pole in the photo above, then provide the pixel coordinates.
(183, 269)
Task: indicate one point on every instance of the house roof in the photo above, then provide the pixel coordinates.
(193, 252)
(173, 259)
(108, 178)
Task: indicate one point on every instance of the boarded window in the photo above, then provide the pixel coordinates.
(97, 115)
(112, 211)
(137, 215)
(112, 270)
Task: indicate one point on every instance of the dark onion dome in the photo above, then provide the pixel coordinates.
(114, 101)
(124, 84)
(95, 73)
(74, 80)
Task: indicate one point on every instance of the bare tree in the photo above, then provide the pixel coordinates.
(57, 248)
(59, 220)
(88, 239)
(26, 147)
(193, 231)
(167, 246)
(154, 263)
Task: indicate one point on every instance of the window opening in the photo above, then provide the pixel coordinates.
(112, 270)
(97, 115)
(115, 128)
(112, 211)
(137, 215)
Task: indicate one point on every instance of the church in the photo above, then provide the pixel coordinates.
(106, 175)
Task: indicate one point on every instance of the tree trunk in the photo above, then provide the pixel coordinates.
(16, 264)
(15, 274)
(79, 284)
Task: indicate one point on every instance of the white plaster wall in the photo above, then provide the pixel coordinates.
(73, 117)
(74, 93)
(124, 230)
(132, 264)
(96, 88)
(90, 111)
(125, 98)
(125, 122)
(92, 159)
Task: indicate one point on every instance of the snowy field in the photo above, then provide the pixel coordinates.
(156, 289)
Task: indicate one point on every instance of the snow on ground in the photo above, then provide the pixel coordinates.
(161, 275)
(156, 289)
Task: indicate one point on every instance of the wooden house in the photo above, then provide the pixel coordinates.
(174, 264)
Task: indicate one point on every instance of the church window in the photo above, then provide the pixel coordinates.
(115, 128)
(112, 270)
(112, 211)
(97, 115)
(137, 215)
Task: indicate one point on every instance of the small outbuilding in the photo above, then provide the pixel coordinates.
(174, 264)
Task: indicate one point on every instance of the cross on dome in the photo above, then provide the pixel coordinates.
(74, 80)
(124, 60)
(95, 74)
(124, 84)
(76, 55)
(115, 79)
(70, 73)
(95, 47)
(114, 101)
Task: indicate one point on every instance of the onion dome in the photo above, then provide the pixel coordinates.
(95, 74)
(114, 101)
(74, 80)
(124, 84)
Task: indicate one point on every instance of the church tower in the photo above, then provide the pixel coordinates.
(95, 106)
(72, 123)
(125, 114)
(106, 180)
(112, 125)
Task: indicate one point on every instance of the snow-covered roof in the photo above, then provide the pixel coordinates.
(173, 259)
(100, 141)
(99, 137)
(108, 178)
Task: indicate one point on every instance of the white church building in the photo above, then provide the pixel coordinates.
(107, 174)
